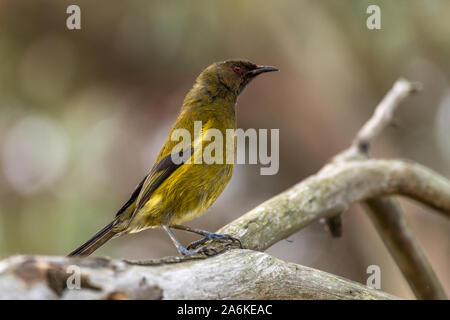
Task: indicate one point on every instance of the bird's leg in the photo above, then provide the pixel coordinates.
(182, 250)
(207, 235)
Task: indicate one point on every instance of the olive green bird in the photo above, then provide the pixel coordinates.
(174, 192)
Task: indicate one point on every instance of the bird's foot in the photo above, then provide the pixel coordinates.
(214, 236)
(202, 250)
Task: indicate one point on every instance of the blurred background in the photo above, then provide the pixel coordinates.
(83, 114)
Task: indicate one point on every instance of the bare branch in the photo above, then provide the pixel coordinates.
(385, 212)
(381, 118)
(332, 190)
(399, 238)
(236, 274)
(383, 115)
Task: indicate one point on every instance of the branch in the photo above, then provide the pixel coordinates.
(382, 117)
(332, 190)
(236, 274)
(386, 213)
(399, 238)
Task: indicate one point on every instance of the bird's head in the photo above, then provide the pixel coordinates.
(234, 74)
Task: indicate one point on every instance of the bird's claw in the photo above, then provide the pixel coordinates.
(208, 251)
(218, 237)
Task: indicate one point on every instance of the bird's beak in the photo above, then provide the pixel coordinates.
(261, 69)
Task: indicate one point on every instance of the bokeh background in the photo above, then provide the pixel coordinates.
(83, 114)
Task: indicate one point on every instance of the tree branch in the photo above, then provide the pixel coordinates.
(382, 117)
(332, 190)
(401, 242)
(385, 212)
(236, 274)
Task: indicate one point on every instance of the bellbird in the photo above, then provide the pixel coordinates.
(177, 191)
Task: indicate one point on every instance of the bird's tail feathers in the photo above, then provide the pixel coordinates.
(96, 241)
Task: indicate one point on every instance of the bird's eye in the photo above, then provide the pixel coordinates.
(237, 69)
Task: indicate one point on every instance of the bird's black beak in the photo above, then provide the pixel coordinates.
(261, 69)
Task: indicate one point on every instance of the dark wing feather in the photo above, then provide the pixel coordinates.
(133, 197)
(159, 173)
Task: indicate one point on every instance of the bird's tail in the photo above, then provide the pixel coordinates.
(96, 241)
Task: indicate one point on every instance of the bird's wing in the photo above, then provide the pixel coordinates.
(158, 174)
(160, 171)
(132, 199)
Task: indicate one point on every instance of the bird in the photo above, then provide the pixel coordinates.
(174, 192)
